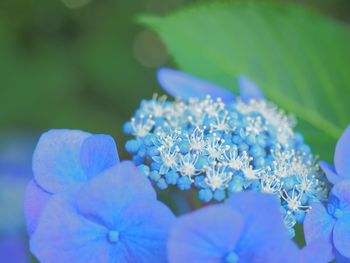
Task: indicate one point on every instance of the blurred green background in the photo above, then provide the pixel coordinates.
(85, 63)
(81, 64)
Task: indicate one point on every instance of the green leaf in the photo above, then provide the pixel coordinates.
(300, 59)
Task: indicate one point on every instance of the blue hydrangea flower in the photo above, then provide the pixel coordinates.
(221, 144)
(63, 158)
(332, 223)
(114, 217)
(247, 228)
(341, 169)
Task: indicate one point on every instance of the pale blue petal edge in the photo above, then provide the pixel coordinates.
(342, 153)
(64, 236)
(184, 86)
(144, 226)
(113, 189)
(56, 159)
(205, 235)
(341, 235)
(341, 259)
(264, 231)
(98, 153)
(35, 200)
(340, 193)
(249, 90)
(317, 251)
(318, 224)
(330, 172)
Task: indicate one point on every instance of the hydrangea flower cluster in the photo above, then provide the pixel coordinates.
(87, 203)
(221, 148)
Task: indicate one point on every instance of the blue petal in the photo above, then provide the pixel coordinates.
(257, 248)
(247, 203)
(264, 232)
(34, 202)
(205, 236)
(64, 236)
(181, 85)
(98, 153)
(342, 153)
(317, 251)
(318, 224)
(330, 172)
(56, 159)
(342, 193)
(249, 90)
(341, 259)
(341, 235)
(104, 195)
(143, 227)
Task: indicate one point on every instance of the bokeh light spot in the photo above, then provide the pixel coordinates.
(149, 50)
(75, 3)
